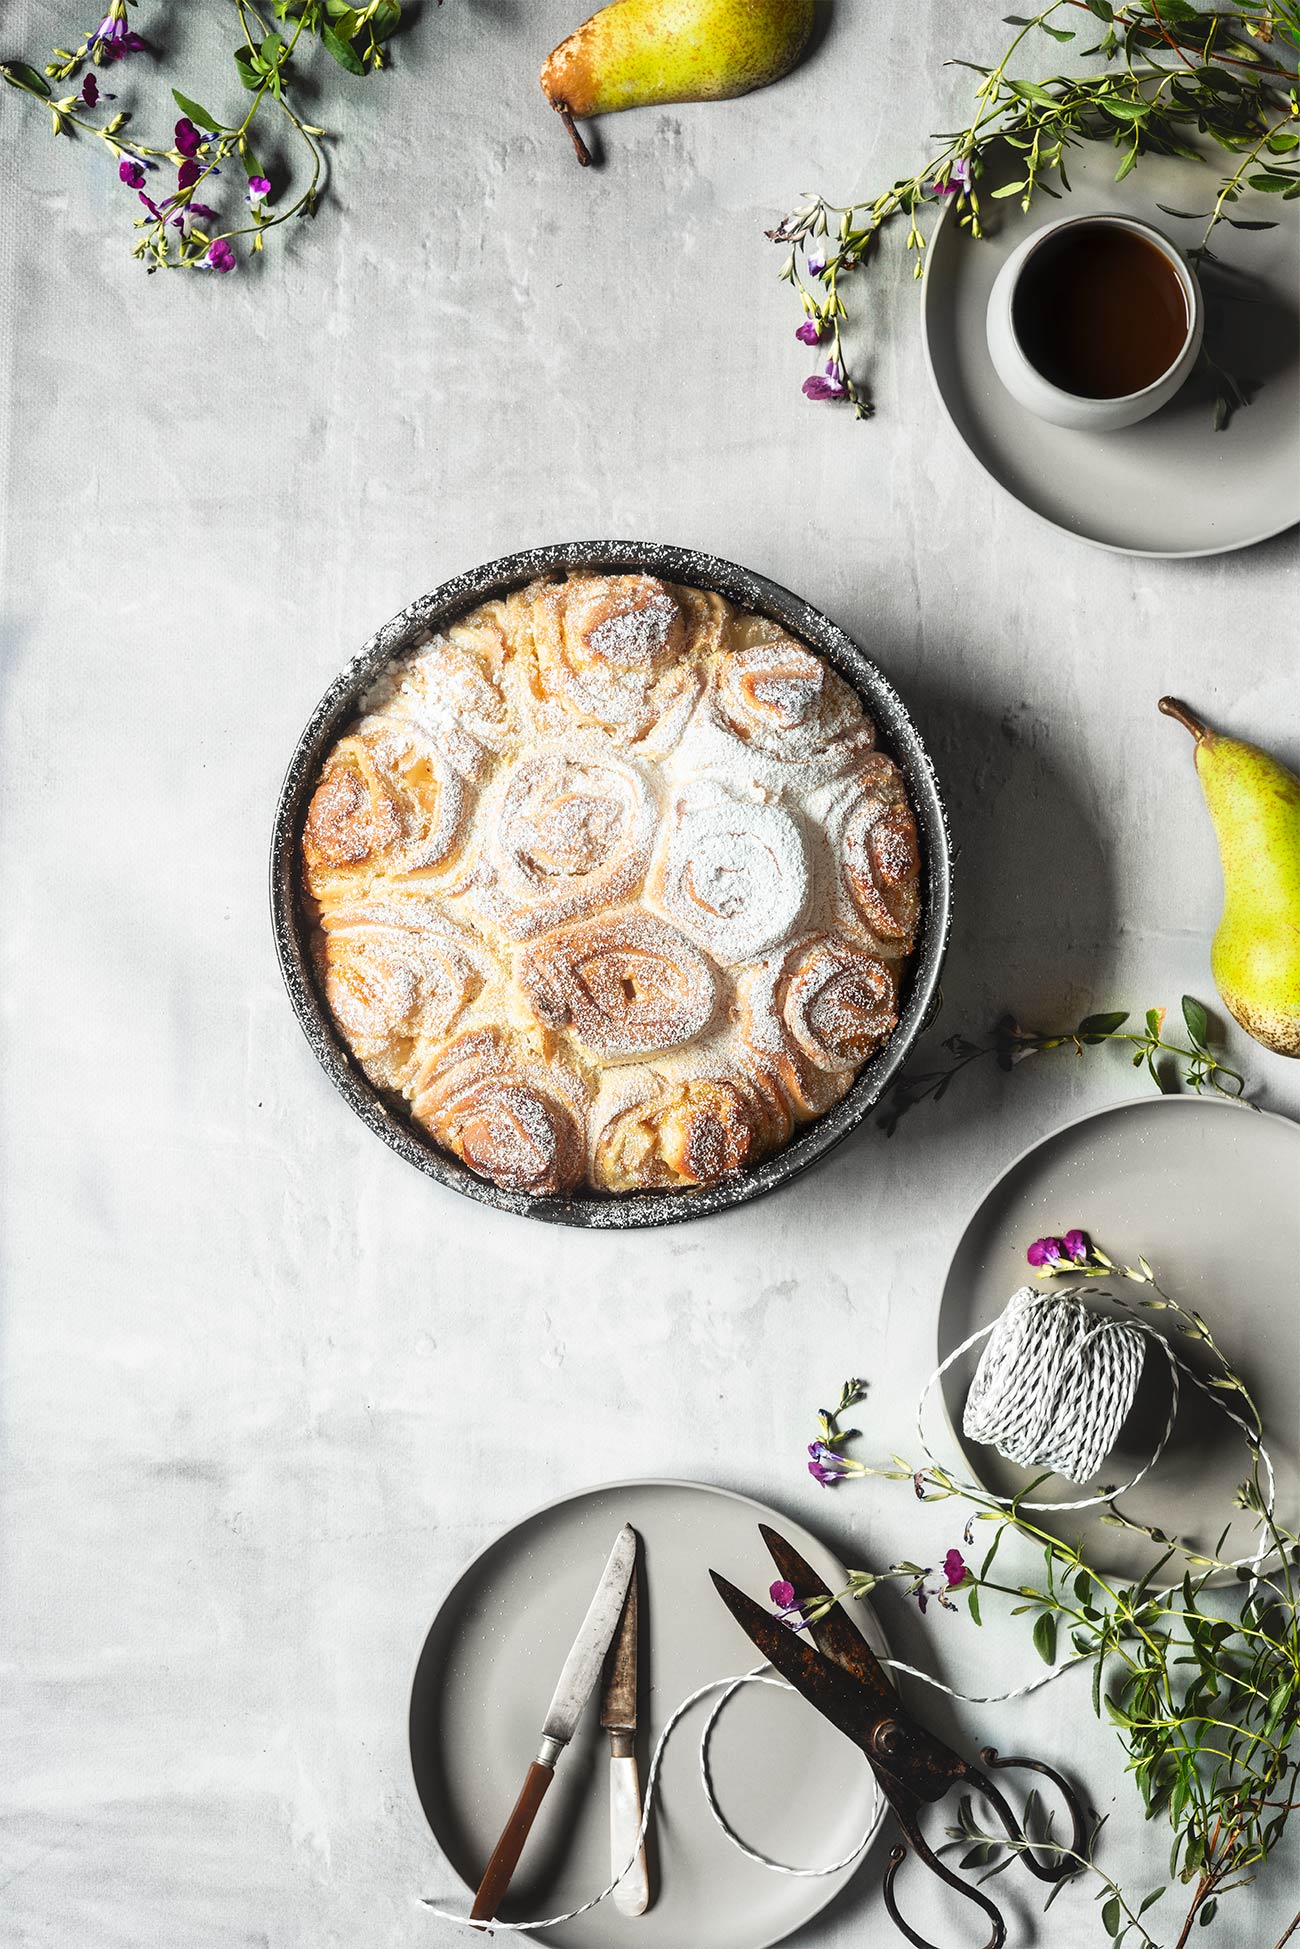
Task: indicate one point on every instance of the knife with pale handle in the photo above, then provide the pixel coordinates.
(618, 1717)
(582, 1668)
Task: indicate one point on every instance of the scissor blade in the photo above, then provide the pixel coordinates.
(840, 1698)
(834, 1634)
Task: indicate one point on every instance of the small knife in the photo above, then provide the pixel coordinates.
(618, 1717)
(577, 1682)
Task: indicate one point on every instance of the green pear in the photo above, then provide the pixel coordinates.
(640, 52)
(1255, 806)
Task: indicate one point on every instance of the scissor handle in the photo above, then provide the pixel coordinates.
(920, 1846)
(1068, 1862)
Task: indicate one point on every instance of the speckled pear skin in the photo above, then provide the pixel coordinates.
(1254, 803)
(640, 52)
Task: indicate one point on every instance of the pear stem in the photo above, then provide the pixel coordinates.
(580, 148)
(1173, 707)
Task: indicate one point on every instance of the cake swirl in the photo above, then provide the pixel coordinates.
(571, 834)
(503, 1119)
(610, 649)
(627, 984)
(734, 875)
(451, 691)
(778, 696)
(388, 802)
(609, 887)
(838, 1003)
(880, 855)
(397, 973)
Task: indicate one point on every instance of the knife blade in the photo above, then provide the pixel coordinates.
(576, 1683)
(618, 1717)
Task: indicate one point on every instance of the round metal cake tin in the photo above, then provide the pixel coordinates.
(414, 626)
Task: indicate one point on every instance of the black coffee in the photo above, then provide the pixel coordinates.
(1099, 311)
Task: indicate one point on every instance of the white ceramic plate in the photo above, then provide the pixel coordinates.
(1171, 485)
(791, 1785)
(1207, 1192)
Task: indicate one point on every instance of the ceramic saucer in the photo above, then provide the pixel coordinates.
(1171, 485)
(1206, 1192)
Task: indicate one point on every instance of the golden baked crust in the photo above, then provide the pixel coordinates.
(612, 886)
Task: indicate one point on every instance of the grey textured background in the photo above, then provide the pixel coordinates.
(265, 1388)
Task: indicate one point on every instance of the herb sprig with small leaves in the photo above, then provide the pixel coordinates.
(1169, 1063)
(1201, 1685)
(1173, 75)
(180, 228)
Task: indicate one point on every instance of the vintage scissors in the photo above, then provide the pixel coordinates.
(845, 1680)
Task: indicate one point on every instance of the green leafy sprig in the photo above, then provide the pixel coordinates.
(1173, 74)
(1201, 1681)
(179, 230)
(1170, 1064)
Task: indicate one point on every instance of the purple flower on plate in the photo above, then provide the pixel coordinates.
(1058, 1254)
(811, 331)
(782, 1595)
(220, 256)
(831, 386)
(954, 1568)
(187, 137)
(131, 172)
(816, 265)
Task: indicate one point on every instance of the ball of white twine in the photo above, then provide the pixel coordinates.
(1055, 1383)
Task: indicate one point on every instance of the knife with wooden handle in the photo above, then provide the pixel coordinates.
(577, 1683)
(618, 1717)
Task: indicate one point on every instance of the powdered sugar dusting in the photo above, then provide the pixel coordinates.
(640, 779)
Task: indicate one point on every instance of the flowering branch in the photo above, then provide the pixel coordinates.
(178, 231)
(1203, 1690)
(1172, 71)
(1194, 1062)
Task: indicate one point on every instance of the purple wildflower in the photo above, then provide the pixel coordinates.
(782, 1595)
(90, 91)
(826, 1466)
(187, 137)
(259, 187)
(221, 256)
(158, 215)
(830, 387)
(816, 265)
(131, 172)
(957, 178)
(811, 331)
(202, 212)
(1054, 1254)
(115, 40)
(937, 1583)
(188, 174)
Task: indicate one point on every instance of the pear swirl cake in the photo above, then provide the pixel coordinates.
(611, 886)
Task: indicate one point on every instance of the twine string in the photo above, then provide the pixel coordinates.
(1052, 1390)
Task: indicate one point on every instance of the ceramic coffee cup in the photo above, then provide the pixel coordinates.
(1039, 394)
